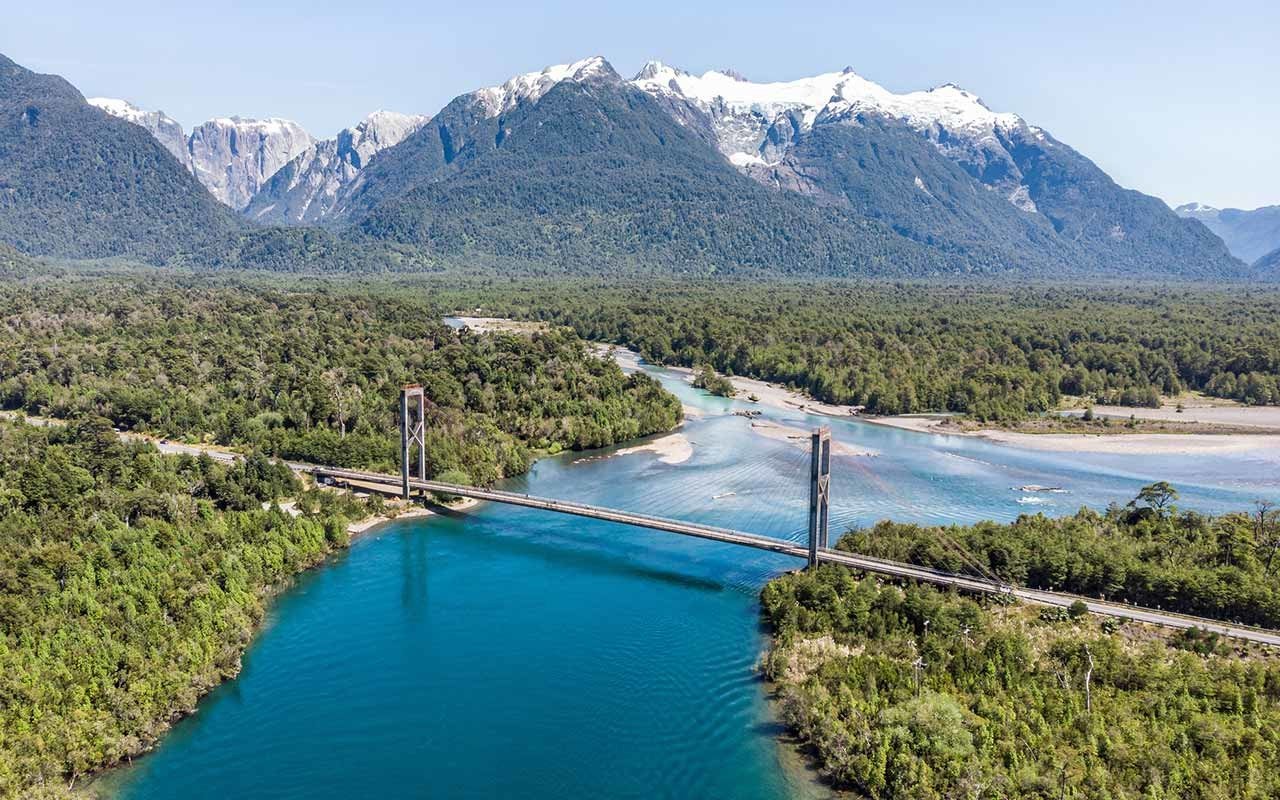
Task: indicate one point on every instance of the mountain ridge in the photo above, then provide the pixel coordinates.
(77, 182)
(554, 180)
(305, 190)
(231, 156)
(575, 168)
(769, 131)
(1249, 234)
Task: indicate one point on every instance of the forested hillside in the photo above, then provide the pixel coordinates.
(130, 583)
(312, 375)
(1268, 267)
(908, 693)
(596, 178)
(1149, 553)
(13, 263)
(992, 352)
(884, 171)
(79, 183)
(911, 692)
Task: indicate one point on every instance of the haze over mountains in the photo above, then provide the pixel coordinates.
(574, 168)
(1250, 235)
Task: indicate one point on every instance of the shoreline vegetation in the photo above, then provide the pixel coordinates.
(144, 518)
(901, 691)
(1152, 439)
(991, 351)
(1205, 426)
(245, 491)
(134, 572)
(130, 584)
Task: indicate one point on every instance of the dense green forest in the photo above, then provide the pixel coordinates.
(130, 582)
(1149, 553)
(79, 183)
(311, 375)
(994, 352)
(14, 264)
(595, 177)
(916, 694)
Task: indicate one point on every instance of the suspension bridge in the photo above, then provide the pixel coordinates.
(816, 550)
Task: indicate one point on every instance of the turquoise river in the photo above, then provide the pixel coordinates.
(514, 653)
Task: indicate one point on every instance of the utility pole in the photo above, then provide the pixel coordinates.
(412, 432)
(819, 490)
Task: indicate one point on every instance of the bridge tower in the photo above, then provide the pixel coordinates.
(413, 415)
(819, 490)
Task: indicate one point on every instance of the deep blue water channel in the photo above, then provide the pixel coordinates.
(515, 653)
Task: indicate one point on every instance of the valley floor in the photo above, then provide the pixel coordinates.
(1206, 410)
(1116, 439)
(1227, 428)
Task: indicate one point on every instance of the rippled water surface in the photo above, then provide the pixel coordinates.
(516, 653)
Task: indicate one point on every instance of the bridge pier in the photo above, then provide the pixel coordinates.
(412, 431)
(819, 490)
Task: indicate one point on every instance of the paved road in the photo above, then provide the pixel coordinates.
(866, 563)
(163, 445)
(1046, 598)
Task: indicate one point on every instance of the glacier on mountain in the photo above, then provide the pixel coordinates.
(531, 86)
(754, 124)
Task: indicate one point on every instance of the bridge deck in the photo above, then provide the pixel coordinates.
(879, 566)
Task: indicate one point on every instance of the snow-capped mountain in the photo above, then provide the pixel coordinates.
(471, 125)
(234, 156)
(306, 189)
(531, 86)
(755, 124)
(163, 127)
(832, 174)
(1249, 235)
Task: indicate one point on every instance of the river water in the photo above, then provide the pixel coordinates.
(514, 653)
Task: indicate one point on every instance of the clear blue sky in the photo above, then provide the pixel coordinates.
(1178, 99)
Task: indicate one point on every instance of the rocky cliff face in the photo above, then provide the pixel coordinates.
(233, 157)
(756, 124)
(166, 129)
(305, 190)
(848, 140)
